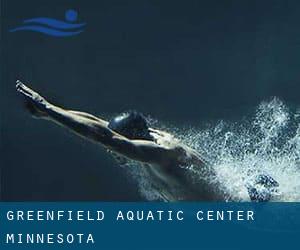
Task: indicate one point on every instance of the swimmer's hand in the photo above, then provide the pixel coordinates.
(35, 103)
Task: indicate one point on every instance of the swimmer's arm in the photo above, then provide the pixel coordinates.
(34, 100)
(142, 150)
(81, 123)
(87, 115)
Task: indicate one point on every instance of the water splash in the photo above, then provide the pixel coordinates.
(267, 142)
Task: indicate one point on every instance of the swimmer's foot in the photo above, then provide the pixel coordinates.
(34, 103)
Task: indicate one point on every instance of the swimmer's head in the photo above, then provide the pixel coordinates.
(132, 125)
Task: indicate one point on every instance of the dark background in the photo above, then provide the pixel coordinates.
(182, 62)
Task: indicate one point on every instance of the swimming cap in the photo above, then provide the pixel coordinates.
(132, 125)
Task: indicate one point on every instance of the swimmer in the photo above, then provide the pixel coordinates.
(129, 136)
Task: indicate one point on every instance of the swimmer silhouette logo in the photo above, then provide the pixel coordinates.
(53, 27)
